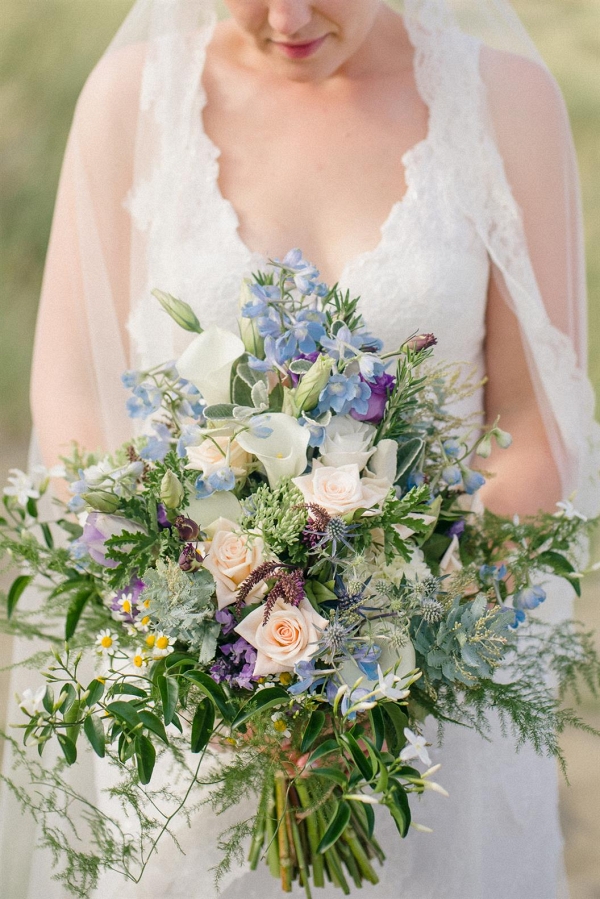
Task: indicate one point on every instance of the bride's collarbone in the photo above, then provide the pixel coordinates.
(318, 174)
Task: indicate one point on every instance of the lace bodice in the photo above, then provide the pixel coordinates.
(429, 271)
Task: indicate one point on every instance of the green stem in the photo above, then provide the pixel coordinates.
(360, 855)
(312, 833)
(271, 829)
(302, 864)
(258, 837)
(285, 861)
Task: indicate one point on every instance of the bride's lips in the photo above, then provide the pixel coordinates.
(300, 50)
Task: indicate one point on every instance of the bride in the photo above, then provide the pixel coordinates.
(422, 159)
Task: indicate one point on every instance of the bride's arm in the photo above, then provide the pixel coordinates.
(80, 344)
(530, 128)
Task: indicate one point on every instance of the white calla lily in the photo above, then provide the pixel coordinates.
(221, 504)
(207, 363)
(283, 452)
(383, 462)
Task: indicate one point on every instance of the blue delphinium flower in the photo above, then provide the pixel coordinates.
(343, 345)
(452, 448)
(367, 343)
(491, 573)
(472, 480)
(131, 379)
(366, 658)
(519, 617)
(266, 293)
(223, 479)
(202, 488)
(158, 444)
(371, 367)
(317, 431)
(529, 597)
(451, 474)
(270, 324)
(191, 435)
(310, 677)
(302, 336)
(146, 399)
(344, 394)
(350, 699)
(415, 479)
(276, 354)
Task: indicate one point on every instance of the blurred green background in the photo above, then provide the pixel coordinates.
(47, 48)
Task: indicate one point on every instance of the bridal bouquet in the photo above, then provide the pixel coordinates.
(284, 575)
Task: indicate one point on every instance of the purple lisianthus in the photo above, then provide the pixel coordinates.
(381, 388)
(161, 516)
(226, 620)
(98, 528)
(309, 357)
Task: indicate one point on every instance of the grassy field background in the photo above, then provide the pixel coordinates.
(47, 47)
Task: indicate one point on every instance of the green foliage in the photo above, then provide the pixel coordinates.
(181, 605)
(279, 515)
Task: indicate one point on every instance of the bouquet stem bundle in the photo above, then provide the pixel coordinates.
(295, 830)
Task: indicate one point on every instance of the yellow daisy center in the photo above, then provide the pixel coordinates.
(145, 620)
(106, 642)
(126, 605)
(150, 639)
(138, 660)
(279, 725)
(162, 642)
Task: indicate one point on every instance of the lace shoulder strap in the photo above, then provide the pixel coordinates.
(448, 74)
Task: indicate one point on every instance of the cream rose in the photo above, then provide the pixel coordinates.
(341, 491)
(216, 452)
(289, 636)
(231, 558)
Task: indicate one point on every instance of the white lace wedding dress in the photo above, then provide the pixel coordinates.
(498, 834)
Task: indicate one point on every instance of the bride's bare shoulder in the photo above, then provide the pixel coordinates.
(110, 99)
(527, 111)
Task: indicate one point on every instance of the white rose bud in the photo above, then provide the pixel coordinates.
(171, 490)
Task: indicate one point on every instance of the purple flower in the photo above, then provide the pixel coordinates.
(380, 391)
(190, 559)
(161, 516)
(309, 357)
(187, 529)
(226, 620)
(98, 528)
(235, 666)
(124, 604)
(421, 342)
(457, 528)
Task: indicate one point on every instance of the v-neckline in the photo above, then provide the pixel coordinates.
(407, 160)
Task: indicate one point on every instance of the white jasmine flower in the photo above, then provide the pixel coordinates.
(386, 685)
(415, 748)
(31, 702)
(21, 487)
(107, 643)
(568, 510)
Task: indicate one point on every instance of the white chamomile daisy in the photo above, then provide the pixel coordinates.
(280, 724)
(107, 642)
(162, 645)
(139, 657)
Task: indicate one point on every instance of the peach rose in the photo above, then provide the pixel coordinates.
(341, 490)
(216, 452)
(231, 558)
(289, 636)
